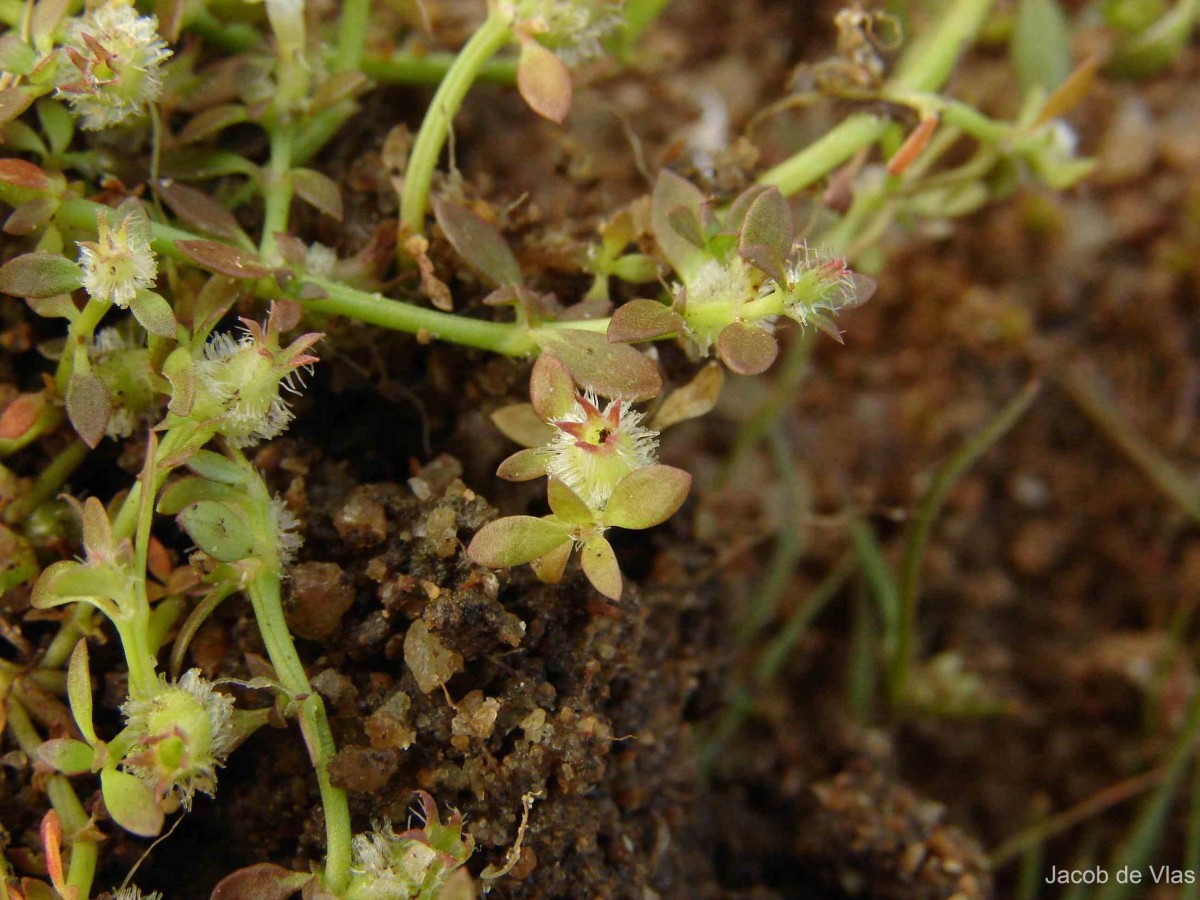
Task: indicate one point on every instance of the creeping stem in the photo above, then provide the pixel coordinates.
(314, 725)
(493, 34)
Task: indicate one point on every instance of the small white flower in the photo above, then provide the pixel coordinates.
(119, 263)
(593, 449)
(181, 734)
(115, 56)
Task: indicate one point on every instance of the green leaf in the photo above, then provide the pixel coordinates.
(642, 320)
(14, 101)
(319, 191)
(223, 259)
(262, 881)
(153, 313)
(198, 210)
(131, 803)
(741, 205)
(39, 276)
(611, 370)
(20, 173)
(16, 56)
(515, 540)
(670, 193)
(551, 388)
(98, 538)
(18, 559)
(549, 567)
(746, 349)
(636, 268)
(66, 755)
(47, 15)
(767, 234)
(216, 467)
(696, 398)
(647, 497)
(57, 124)
(521, 424)
(478, 243)
(79, 691)
(186, 491)
(180, 370)
(1151, 51)
(31, 215)
(89, 406)
(544, 81)
(1041, 45)
(219, 531)
(567, 505)
(524, 465)
(601, 568)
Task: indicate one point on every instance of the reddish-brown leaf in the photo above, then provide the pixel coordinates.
(223, 259)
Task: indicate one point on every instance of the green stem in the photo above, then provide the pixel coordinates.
(507, 338)
(928, 62)
(48, 482)
(313, 133)
(277, 192)
(142, 663)
(314, 725)
(922, 526)
(233, 38)
(499, 337)
(81, 623)
(78, 336)
(431, 68)
(76, 823)
(825, 154)
(352, 33)
(493, 34)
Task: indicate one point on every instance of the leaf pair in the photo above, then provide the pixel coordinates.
(644, 498)
(130, 802)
